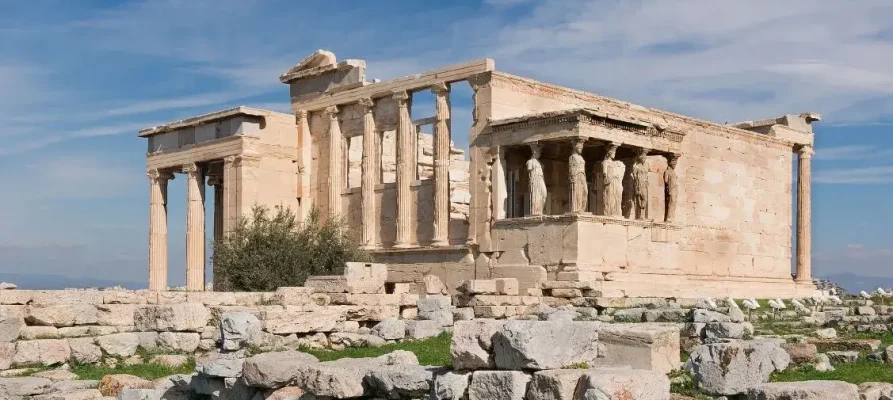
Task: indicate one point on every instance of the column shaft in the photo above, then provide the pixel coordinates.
(804, 215)
(441, 164)
(405, 175)
(158, 229)
(369, 172)
(304, 158)
(195, 228)
(335, 170)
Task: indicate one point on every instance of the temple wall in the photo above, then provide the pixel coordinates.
(735, 189)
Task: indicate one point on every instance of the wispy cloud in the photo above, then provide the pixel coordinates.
(852, 152)
(855, 176)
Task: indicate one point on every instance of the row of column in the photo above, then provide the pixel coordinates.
(406, 167)
(195, 220)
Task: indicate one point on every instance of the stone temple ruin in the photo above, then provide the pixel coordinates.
(562, 189)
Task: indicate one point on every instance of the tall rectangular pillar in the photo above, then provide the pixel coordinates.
(405, 167)
(804, 215)
(304, 164)
(158, 228)
(441, 164)
(195, 228)
(336, 172)
(370, 166)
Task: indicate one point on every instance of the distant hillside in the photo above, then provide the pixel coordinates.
(33, 281)
(853, 283)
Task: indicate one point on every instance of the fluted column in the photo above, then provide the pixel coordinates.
(217, 182)
(304, 158)
(335, 170)
(195, 228)
(158, 228)
(405, 176)
(441, 164)
(369, 173)
(804, 215)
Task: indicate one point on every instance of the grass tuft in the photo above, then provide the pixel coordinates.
(147, 371)
(858, 372)
(434, 351)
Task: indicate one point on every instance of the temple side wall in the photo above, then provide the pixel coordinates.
(735, 193)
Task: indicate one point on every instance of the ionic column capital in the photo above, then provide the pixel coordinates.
(215, 180)
(367, 104)
(300, 115)
(402, 98)
(806, 151)
(229, 161)
(480, 81)
(159, 176)
(440, 88)
(191, 169)
(332, 112)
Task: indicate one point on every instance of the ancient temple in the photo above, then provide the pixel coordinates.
(559, 186)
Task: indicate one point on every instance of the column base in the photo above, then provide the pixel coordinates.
(404, 246)
(440, 243)
(369, 247)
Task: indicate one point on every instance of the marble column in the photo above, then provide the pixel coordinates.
(370, 166)
(441, 164)
(405, 175)
(217, 182)
(804, 215)
(335, 167)
(158, 228)
(195, 228)
(304, 158)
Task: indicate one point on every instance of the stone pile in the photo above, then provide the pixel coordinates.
(491, 360)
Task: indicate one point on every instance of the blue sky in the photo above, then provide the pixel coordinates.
(79, 79)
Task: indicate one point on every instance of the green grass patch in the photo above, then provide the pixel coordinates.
(885, 337)
(858, 372)
(148, 371)
(434, 351)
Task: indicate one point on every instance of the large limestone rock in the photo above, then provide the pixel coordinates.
(341, 378)
(222, 366)
(731, 368)
(390, 329)
(357, 278)
(304, 319)
(422, 329)
(556, 384)
(472, 343)
(119, 344)
(435, 308)
(651, 346)
(24, 386)
(7, 352)
(84, 350)
(172, 317)
(811, 390)
(62, 315)
(539, 345)
(41, 351)
(503, 385)
(402, 381)
(275, 370)
(238, 329)
(10, 326)
(112, 385)
(451, 385)
(619, 384)
(179, 341)
(876, 391)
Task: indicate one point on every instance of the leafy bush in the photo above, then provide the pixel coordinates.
(268, 250)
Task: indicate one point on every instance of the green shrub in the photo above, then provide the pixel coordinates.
(268, 249)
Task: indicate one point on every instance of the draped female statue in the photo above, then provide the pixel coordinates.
(640, 186)
(612, 175)
(577, 175)
(537, 181)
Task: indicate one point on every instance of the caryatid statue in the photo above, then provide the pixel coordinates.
(536, 180)
(640, 185)
(577, 176)
(671, 188)
(612, 177)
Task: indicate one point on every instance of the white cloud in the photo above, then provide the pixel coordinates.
(855, 176)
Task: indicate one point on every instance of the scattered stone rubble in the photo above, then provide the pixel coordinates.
(560, 341)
